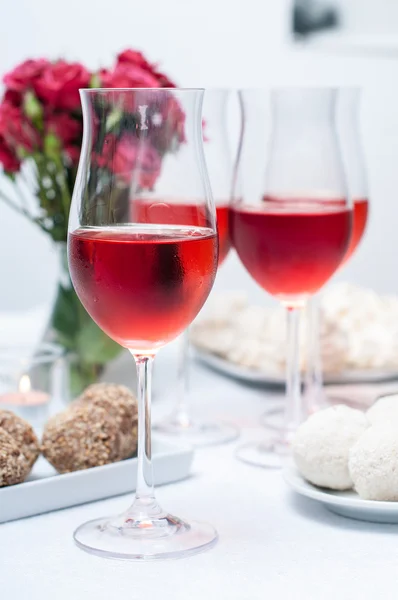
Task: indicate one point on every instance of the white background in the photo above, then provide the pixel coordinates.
(209, 43)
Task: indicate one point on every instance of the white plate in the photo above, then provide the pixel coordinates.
(347, 504)
(254, 376)
(45, 490)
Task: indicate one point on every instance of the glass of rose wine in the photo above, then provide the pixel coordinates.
(347, 120)
(181, 422)
(293, 235)
(143, 270)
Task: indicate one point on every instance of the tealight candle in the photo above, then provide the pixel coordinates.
(25, 396)
(32, 379)
(31, 405)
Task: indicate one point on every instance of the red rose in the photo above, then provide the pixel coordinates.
(12, 97)
(137, 59)
(105, 157)
(104, 76)
(134, 57)
(132, 160)
(8, 159)
(166, 121)
(136, 162)
(158, 116)
(126, 75)
(164, 81)
(23, 77)
(17, 130)
(59, 84)
(65, 127)
(175, 119)
(133, 71)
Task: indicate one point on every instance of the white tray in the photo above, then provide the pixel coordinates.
(231, 369)
(45, 490)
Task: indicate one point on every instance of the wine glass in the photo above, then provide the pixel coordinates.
(143, 269)
(293, 235)
(348, 110)
(181, 423)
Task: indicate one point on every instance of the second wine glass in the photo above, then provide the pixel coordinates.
(181, 423)
(293, 235)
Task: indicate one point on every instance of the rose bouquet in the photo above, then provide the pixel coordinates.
(40, 138)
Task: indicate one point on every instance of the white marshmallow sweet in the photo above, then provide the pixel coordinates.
(358, 331)
(373, 463)
(322, 443)
(384, 410)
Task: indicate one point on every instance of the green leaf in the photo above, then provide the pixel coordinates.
(77, 380)
(113, 119)
(80, 378)
(33, 109)
(22, 153)
(67, 342)
(65, 317)
(52, 146)
(89, 346)
(95, 81)
(94, 346)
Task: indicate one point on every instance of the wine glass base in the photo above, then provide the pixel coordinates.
(273, 418)
(198, 433)
(272, 455)
(153, 539)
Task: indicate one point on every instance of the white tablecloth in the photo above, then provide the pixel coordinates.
(273, 545)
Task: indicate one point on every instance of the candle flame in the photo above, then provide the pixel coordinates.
(24, 384)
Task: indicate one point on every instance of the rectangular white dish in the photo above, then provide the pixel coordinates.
(45, 490)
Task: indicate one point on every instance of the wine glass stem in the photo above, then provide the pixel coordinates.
(294, 403)
(181, 412)
(314, 392)
(144, 502)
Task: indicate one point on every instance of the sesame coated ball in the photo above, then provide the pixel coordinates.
(23, 434)
(118, 402)
(13, 465)
(81, 438)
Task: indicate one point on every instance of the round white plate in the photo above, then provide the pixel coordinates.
(254, 376)
(347, 504)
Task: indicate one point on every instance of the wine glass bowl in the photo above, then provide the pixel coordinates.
(132, 285)
(291, 247)
(143, 269)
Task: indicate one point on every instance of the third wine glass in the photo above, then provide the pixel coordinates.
(348, 111)
(181, 422)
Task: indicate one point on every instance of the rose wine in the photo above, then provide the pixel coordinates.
(360, 218)
(224, 241)
(143, 285)
(183, 213)
(291, 251)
